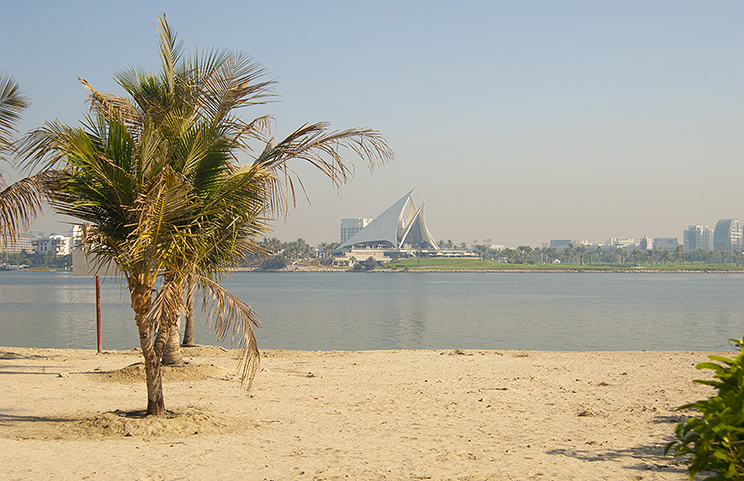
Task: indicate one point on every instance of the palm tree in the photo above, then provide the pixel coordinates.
(651, 256)
(525, 254)
(156, 176)
(21, 200)
(580, 252)
(551, 254)
(664, 256)
(568, 253)
(622, 255)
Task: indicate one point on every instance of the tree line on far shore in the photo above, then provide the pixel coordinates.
(283, 254)
(584, 255)
(37, 260)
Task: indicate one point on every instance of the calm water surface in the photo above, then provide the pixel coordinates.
(359, 311)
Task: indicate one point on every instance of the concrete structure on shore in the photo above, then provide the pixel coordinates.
(401, 226)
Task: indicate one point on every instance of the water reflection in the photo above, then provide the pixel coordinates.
(320, 311)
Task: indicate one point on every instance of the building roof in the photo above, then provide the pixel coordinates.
(399, 225)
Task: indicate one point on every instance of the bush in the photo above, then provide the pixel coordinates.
(274, 263)
(371, 263)
(716, 440)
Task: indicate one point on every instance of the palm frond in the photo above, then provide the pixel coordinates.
(167, 305)
(20, 202)
(170, 53)
(110, 105)
(12, 105)
(42, 148)
(312, 143)
(226, 314)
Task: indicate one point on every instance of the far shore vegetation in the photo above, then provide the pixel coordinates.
(37, 260)
(299, 255)
(485, 265)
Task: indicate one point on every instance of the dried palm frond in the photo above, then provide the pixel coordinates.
(168, 304)
(226, 314)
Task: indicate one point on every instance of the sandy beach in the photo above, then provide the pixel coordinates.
(423, 414)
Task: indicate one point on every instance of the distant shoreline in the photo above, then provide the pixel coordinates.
(296, 269)
(515, 271)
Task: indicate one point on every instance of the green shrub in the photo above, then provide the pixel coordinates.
(716, 439)
(370, 264)
(274, 263)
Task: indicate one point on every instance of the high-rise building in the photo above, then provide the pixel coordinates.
(727, 235)
(349, 227)
(646, 244)
(697, 237)
(22, 243)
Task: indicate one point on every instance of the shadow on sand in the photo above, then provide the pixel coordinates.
(15, 355)
(10, 419)
(645, 457)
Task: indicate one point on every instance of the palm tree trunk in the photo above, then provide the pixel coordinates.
(172, 351)
(168, 341)
(188, 328)
(140, 296)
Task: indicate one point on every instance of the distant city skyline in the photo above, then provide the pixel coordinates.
(516, 121)
(352, 225)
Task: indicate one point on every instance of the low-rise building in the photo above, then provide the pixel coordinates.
(627, 243)
(560, 243)
(665, 243)
(59, 244)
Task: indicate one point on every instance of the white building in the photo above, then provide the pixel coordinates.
(727, 235)
(621, 243)
(22, 243)
(349, 227)
(57, 243)
(697, 237)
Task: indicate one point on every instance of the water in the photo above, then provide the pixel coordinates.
(360, 311)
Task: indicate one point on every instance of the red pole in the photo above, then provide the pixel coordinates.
(98, 311)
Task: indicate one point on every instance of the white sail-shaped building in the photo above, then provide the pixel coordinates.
(401, 226)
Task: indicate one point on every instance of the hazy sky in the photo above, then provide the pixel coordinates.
(516, 121)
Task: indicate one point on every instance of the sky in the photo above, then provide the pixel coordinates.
(518, 122)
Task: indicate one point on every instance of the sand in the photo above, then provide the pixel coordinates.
(423, 414)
